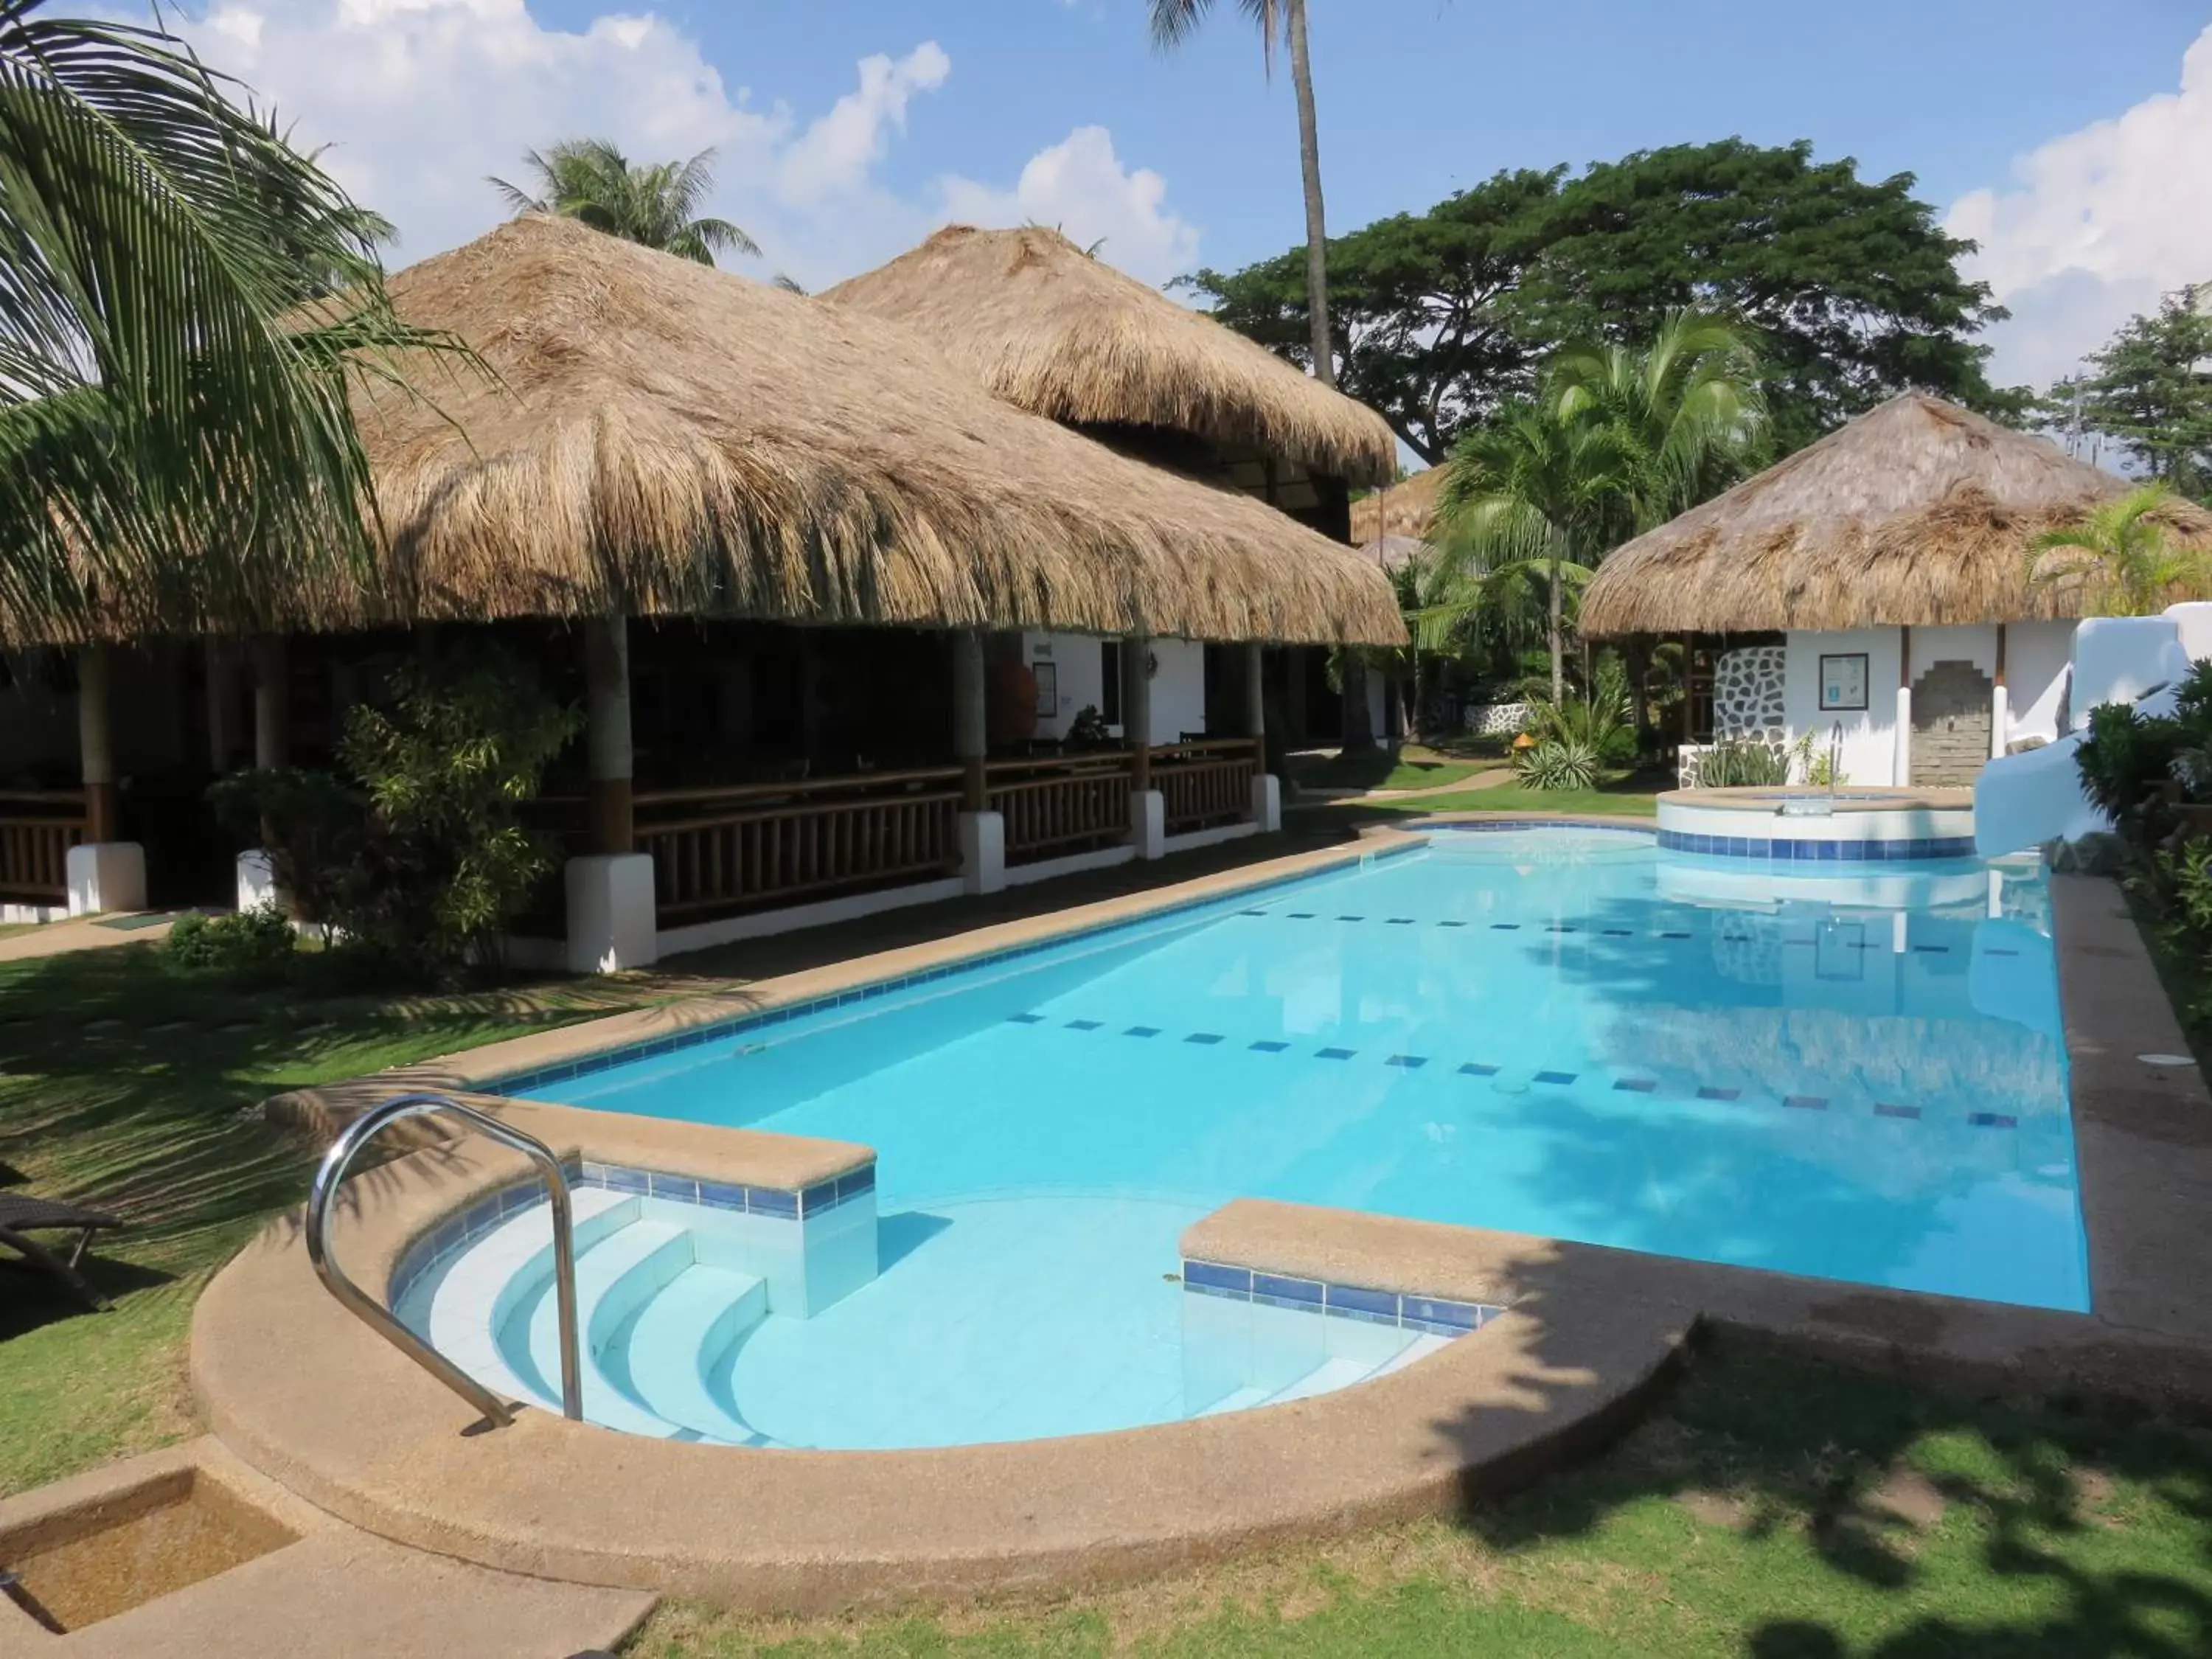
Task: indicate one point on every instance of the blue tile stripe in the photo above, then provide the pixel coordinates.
(466, 1226)
(1817, 852)
(537, 1077)
(1436, 1315)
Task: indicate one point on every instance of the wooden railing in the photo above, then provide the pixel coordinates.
(37, 829)
(1052, 808)
(738, 849)
(1207, 784)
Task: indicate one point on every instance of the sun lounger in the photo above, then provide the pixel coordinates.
(20, 1216)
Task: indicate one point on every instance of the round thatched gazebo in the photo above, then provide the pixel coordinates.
(1882, 575)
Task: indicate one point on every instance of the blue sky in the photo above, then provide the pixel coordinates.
(849, 128)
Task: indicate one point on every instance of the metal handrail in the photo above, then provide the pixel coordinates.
(366, 1308)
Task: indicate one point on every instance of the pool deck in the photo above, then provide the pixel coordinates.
(313, 1398)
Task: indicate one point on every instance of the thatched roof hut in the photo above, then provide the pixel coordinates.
(662, 438)
(1918, 513)
(1399, 509)
(1053, 330)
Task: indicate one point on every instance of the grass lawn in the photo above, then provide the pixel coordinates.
(1414, 767)
(1635, 796)
(1777, 1509)
(120, 1087)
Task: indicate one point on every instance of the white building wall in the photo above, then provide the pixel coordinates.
(1178, 683)
(2036, 655)
(1869, 750)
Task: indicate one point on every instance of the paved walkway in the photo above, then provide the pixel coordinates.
(1496, 777)
(54, 939)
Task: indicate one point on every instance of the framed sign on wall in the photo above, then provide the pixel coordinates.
(1843, 682)
(1048, 689)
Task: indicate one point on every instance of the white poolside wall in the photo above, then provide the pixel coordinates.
(1178, 689)
(2036, 654)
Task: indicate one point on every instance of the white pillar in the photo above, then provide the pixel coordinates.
(612, 921)
(982, 852)
(1268, 802)
(1148, 822)
(982, 832)
(1901, 773)
(2000, 718)
(105, 873)
(1148, 808)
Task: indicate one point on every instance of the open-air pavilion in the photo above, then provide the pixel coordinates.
(780, 549)
(1874, 586)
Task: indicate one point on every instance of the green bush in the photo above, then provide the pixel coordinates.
(254, 946)
(1602, 722)
(415, 859)
(1742, 764)
(1557, 763)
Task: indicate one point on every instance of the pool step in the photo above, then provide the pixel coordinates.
(1237, 1401)
(505, 1269)
(1419, 1348)
(682, 1334)
(1338, 1371)
(614, 1278)
(1325, 1378)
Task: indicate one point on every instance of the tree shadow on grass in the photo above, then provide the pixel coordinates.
(1811, 1512)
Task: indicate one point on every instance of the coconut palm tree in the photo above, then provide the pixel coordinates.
(2118, 559)
(174, 432)
(589, 180)
(1538, 494)
(1283, 21)
(1689, 406)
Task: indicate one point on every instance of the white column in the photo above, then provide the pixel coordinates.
(1901, 772)
(2000, 718)
(1147, 807)
(982, 832)
(105, 873)
(613, 915)
(1267, 790)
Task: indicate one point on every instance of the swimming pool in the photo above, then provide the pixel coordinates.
(1528, 1030)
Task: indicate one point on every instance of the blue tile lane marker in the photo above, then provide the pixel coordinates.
(1933, 949)
(1451, 924)
(1555, 1077)
(1402, 922)
(1674, 936)
(1475, 1068)
(1709, 1092)
(1616, 933)
(1028, 1020)
(1203, 1037)
(1142, 1030)
(1301, 915)
(1269, 1046)
(1993, 1120)
(1505, 927)
(1351, 918)
(1999, 951)
(1083, 1025)
(1411, 1062)
(1638, 1086)
(1806, 1103)
(1336, 1054)
(1891, 1108)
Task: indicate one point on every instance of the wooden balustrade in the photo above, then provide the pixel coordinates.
(1205, 785)
(34, 844)
(1052, 808)
(730, 849)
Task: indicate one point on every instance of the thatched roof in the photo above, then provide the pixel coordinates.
(1054, 330)
(672, 440)
(1392, 553)
(1917, 513)
(1399, 509)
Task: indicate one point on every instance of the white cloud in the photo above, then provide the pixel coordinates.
(2098, 224)
(1080, 185)
(418, 100)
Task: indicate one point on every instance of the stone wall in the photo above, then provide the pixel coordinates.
(1747, 695)
(1951, 716)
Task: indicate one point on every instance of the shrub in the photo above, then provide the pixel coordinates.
(1557, 763)
(2125, 761)
(1603, 722)
(415, 859)
(254, 946)
(1742, 764)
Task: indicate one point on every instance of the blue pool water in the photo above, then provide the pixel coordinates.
(1557, 1032)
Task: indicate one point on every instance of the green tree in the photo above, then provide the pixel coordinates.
(1284, 21)
(176, 442)
(656, 204)
(1852, 286)
(2120, 560)
(2150, 392)
(1688, 408)
(1538, 493)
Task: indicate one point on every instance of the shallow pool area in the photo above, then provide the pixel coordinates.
(1546, 1031)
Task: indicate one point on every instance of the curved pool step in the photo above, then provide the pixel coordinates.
(614, 1278)
(507, 1267)
(682, 1334)
(1338, 1371)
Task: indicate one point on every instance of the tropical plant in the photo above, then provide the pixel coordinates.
(1283, 21)
(1538, 493)
(1601, 721)
(1557, 763)
(2119, 561)
(176, 442)
(253, 947)
(1688, 407)
(1742, 764)
(653, 204)
(2125, 758)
